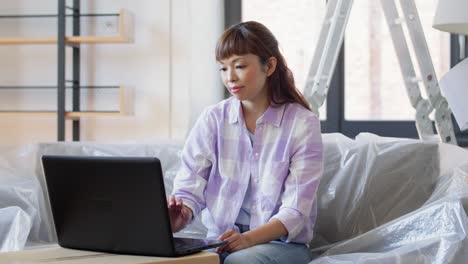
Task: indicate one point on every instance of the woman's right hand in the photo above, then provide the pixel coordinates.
(179, 214)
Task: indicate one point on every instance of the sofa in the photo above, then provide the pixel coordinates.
(380, 200)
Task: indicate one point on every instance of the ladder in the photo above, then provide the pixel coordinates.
(331, 40)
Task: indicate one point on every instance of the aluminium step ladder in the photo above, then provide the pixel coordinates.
(330, 42)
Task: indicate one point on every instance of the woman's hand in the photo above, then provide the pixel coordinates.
(235, 242)
(179, 214)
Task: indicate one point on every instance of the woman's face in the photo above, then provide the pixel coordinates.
(245, 77)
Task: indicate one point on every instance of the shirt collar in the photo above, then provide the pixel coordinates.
(234, 110)
(273, 115)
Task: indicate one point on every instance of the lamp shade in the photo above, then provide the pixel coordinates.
(454, 86)
(452, 16)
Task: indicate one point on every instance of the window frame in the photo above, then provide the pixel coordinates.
(462, 136)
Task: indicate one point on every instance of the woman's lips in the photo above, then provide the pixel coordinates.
(236, 89)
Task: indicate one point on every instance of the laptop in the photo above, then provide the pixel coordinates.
(115, 205)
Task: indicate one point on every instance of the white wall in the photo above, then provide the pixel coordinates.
(196, 26)
(169, 71)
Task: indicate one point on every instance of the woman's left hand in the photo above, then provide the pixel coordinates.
(235, 242)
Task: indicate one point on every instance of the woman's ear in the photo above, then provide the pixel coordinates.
(271, 66)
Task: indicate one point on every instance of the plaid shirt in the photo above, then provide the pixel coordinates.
(283, 167)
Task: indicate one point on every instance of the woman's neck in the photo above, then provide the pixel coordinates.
(254, 109)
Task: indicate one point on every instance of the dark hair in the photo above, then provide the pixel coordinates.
(254, 38)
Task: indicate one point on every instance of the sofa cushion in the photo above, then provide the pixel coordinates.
(367, 184)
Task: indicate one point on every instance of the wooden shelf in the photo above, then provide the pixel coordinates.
(125, 35)
(26, 41)
(68, 115)
(78, 115)
(28, 113)
(73, 115)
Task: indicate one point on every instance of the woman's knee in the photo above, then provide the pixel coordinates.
(235, 258)
(244, 256)
(270, 253)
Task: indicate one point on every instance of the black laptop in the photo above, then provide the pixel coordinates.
(113, 204)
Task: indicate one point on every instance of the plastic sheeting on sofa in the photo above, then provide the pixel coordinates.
(381, 200)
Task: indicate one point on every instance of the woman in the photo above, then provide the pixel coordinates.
(252, 163)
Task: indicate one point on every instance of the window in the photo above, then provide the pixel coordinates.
(374, 87)
(367, 93)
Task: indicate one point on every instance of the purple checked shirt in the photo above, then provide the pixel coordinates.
(283, 166)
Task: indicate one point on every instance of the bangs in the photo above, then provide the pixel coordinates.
(232, 42)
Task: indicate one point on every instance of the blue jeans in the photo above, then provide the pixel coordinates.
(274, 252)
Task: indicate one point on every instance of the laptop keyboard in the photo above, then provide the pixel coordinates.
(187, 243)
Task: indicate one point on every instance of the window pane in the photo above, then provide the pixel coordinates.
(296, 25)
(374, 87)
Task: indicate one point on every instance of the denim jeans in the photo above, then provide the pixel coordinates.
(274, 252)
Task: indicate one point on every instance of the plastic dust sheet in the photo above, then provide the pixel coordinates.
(385, 200)
(381, 200)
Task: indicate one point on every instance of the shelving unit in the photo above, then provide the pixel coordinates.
(74, 41)
(122, 37)
(68, 114)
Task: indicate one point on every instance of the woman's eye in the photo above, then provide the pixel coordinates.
(240, 66)
(222, 69)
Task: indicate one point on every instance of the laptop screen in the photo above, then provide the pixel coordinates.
(110, 204)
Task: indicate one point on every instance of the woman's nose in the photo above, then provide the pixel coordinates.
(232, 77)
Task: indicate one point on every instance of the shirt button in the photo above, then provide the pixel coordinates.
(256, 155)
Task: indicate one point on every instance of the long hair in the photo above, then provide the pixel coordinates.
(254, 38)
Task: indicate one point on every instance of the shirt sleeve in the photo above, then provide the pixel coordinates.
(306, 166)
(196, 162)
